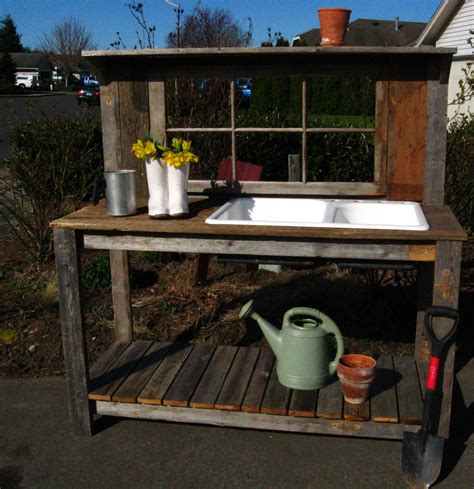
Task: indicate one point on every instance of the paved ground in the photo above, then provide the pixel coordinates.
(38, 451)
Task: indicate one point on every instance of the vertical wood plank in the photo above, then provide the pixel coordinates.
(277, 396)
(294, 168)
(437, 104)
(110, 116)
(72, 324)
(258, 382)
(303, 403)
(381, 128)
(383, 394)
(406, 140)
(119, 269)
(424, 284)
(158, 113)
(235, 385)
(410, 403)
(213, 378)
(155, 389)
(134, 116)
(357, 412)
(188, 378)
(330, 401)
(446, 293)
(129, 390)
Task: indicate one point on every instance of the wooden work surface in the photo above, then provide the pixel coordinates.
(443, 226)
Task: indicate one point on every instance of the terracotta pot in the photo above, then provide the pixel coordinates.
(333, 24)
(356, 373)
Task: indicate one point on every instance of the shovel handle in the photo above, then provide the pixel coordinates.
(438, 344)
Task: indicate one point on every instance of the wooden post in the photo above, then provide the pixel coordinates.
(72, 323)
(121, 295)
(424, 283)
(446, 293)
(294, 168)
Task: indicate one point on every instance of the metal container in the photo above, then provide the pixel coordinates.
(120, 192)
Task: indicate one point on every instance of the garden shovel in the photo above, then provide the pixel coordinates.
(422, 452)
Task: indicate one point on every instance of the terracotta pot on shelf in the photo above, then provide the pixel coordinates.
(356, 373)
(333, 24)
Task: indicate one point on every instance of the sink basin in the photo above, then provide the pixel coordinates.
(330, 213)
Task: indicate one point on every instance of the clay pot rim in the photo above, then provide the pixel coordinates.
(334, 10)
(372, 362)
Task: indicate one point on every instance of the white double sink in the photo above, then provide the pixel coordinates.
(327, 213)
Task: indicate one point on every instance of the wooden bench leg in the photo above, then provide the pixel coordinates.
(121, 295)
(72, 323)
(202, 267)
(447, 275)
(424, 283)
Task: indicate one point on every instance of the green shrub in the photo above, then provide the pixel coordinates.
(460, 170)
(51, 172)
(96, 273)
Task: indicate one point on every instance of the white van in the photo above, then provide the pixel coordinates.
(27, 80)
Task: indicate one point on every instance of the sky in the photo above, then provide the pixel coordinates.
(104, 18)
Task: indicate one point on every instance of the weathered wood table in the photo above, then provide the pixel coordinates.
(237, 386)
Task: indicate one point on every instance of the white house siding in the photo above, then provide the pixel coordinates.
(456, 35)
(455, 76)
(457, 32)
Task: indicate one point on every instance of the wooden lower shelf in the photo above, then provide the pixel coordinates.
(238, 386)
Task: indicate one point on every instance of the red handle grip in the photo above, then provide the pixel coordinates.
(432, 379)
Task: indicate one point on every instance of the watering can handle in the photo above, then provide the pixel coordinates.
(326, 323)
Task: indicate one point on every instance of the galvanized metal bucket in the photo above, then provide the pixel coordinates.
(120, 192)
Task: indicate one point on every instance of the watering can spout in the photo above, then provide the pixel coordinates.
(272, 334)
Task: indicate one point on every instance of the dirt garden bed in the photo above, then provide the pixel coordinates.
(375, 312)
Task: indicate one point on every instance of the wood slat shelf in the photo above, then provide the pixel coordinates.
(205, 378)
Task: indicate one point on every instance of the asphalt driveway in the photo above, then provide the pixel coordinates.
(37, 450)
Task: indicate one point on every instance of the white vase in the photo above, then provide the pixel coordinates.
(157, 179)
(178, 190)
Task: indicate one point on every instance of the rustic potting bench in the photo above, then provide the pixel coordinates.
(237, 386)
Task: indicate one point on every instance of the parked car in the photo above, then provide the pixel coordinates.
(89, 80)
(88, 95)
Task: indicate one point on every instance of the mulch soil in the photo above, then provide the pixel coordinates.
(374, 310)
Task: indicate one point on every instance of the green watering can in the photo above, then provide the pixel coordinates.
(301, 346)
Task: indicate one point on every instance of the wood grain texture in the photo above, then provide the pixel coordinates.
(156, 387)
(235, 385)
(121, 299)
(410, 403)
(406, 140)
(303, 403)
(258, 382)
(330, 401)
(117, 373)
(383, 394)
(131, 387)
(72, 326)
(381, 133)
(443, 225)
(104, 362)
(110, 117)
(356, 412)
(435, 156)
(188, 377)
(255, 420)
(277, 396)
(447, 273)
(209, 386)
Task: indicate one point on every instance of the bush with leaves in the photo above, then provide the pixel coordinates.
(460, 170)
(52, 169)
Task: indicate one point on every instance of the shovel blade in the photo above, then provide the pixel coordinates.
(420, 468)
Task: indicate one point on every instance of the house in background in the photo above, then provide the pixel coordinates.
(370, 32)
(449, 27)
(37, 64)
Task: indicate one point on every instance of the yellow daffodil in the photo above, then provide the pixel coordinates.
(179, 154)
